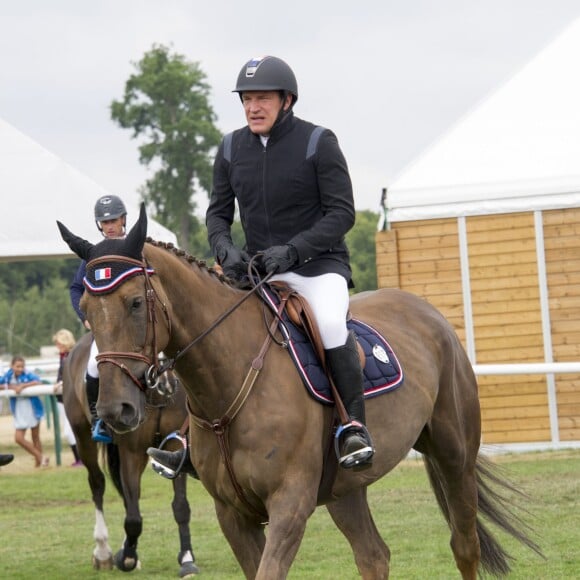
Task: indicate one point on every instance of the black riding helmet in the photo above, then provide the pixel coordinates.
(109, 207)
(267, 73)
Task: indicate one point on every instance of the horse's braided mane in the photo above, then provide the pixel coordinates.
(192, 260)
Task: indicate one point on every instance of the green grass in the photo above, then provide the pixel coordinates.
(47, 519)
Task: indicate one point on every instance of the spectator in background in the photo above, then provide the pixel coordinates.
(27, 411)
(64, 340)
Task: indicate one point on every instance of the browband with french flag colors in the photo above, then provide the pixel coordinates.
(104, 274)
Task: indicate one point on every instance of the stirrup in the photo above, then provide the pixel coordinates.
(99, 433)
(163, 470)
(360, 459)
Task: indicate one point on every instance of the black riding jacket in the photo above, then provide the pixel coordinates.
(286, 194)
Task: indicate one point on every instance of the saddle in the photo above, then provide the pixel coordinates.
(300, 314)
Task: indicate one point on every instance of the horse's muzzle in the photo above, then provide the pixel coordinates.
(122, 418)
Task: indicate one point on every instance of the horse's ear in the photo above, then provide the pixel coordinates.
(78, 245)
(136, 237)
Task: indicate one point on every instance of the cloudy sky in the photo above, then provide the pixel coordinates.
(388, 76)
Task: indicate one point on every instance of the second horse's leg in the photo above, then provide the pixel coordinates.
(182, 516)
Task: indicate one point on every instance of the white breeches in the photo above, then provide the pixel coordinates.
(65, 425)
(92, 367)
(328, 297)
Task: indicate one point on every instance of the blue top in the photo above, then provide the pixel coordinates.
(25, 377)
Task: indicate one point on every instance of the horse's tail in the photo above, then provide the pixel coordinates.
(114, 466)
(496, 507)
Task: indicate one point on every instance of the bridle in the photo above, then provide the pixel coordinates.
(116, 358)
(155, 367)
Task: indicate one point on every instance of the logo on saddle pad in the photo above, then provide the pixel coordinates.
(380, 354)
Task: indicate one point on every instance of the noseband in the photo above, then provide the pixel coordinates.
(127, 268)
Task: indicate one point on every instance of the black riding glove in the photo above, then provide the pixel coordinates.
(279, 258)
(233, 261)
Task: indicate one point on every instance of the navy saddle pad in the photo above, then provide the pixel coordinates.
(382, 370)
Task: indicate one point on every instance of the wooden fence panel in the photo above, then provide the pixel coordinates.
(423, 257)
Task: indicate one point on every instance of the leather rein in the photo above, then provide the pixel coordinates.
(157, 368)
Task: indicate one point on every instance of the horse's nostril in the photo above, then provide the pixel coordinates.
(129, 416)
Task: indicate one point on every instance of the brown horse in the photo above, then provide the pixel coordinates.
(126, 457)
(261, 445)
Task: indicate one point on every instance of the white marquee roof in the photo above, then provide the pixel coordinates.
(519, 150)
(37, 189)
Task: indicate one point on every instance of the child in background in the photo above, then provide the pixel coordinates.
(27, 411)
(64, 340)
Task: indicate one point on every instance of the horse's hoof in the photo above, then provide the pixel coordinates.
(126, 564)
(188, 569)
(103, 564)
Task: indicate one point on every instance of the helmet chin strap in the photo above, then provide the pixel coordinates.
(283, 114)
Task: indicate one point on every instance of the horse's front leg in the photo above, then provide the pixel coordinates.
(288, 511)
(102, 553)
(182, 516)
(127, 559)
(353, 517)
(245, 536)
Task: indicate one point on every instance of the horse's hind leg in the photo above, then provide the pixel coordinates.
(456, 492)
(352, 515)
(450, 444)
(182, 516)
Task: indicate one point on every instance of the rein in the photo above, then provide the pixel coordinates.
(170, 362)
(156, 369)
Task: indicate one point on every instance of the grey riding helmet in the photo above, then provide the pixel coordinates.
(267, 73)
(109, 207)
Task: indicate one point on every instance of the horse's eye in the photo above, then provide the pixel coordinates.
(137, 303)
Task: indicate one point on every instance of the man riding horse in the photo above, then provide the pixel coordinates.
(291, 182)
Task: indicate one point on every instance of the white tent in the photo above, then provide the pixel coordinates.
(518, 150)
(37, 189)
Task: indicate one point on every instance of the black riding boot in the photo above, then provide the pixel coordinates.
(356, 449)
(100, 432)
(170, 464)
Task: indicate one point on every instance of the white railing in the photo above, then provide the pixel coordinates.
(35, 391)
(550, 369)
(538, 368)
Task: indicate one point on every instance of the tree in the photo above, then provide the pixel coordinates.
(166, 102)
(361, 244)
(29, 320)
